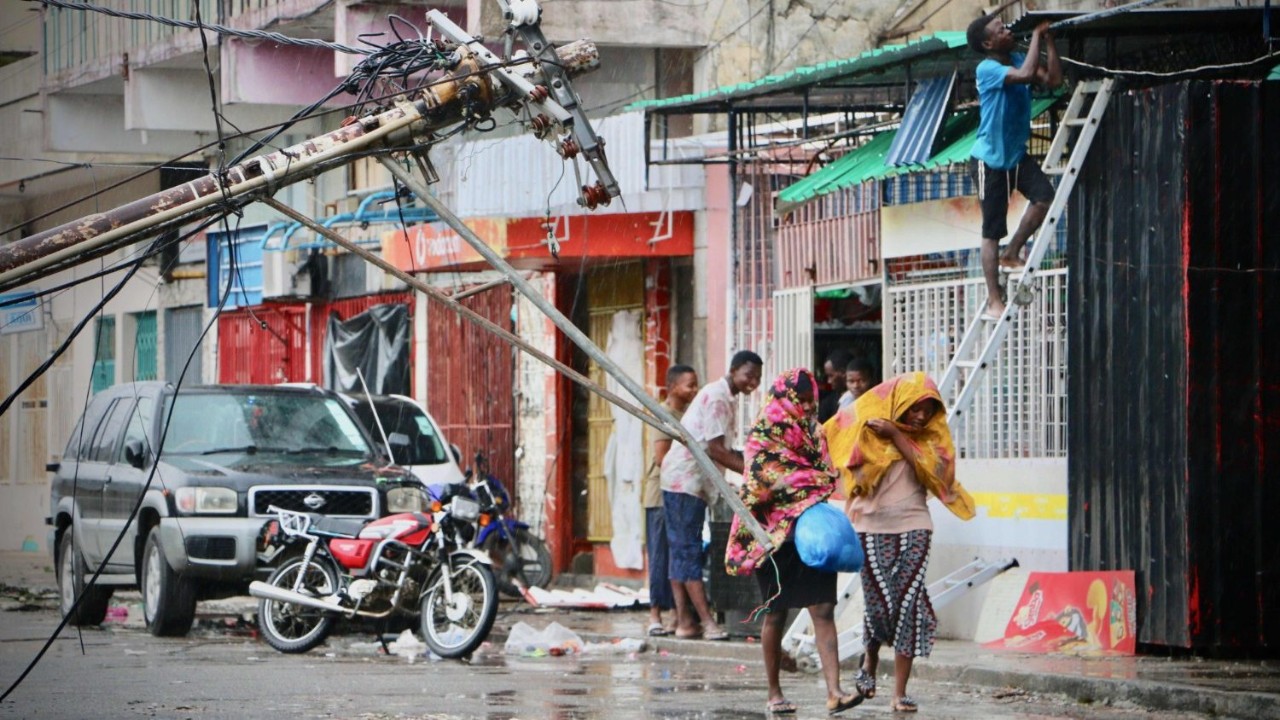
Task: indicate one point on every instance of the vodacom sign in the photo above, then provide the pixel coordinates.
(435, 246)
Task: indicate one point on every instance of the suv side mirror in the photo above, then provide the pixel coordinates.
(457, 453)
(134, 453)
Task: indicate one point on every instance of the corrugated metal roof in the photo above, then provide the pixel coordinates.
(868, 162)
(870, 61)
(914, 141)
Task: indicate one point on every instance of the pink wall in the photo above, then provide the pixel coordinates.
(719, 270)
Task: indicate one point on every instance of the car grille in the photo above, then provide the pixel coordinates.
(338, 501)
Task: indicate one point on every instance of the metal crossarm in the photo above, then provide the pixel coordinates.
(983, 338)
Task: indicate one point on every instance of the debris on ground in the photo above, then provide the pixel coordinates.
(555, 640)
(605, 596)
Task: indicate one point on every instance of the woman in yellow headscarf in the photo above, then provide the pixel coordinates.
(894, 450)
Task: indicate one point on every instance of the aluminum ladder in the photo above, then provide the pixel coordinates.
(1079, 125)
(799, 641)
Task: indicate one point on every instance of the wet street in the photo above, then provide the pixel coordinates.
(222, 671)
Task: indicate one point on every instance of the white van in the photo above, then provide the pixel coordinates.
(414, 438)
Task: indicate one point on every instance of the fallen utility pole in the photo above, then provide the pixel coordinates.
(579, 338)
(474, 82)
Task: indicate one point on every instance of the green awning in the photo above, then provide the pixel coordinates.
(957, 137)
(1275, 73)
(928, 56)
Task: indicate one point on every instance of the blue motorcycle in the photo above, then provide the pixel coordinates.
(520, 558)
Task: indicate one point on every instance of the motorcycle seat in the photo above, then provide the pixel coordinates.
(337, 527)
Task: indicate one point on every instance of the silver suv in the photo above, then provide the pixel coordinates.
(231, 452)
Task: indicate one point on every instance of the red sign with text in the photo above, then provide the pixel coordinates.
(1079, 613)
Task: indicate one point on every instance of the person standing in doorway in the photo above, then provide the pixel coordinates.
(788, 472)
(686, 492)
(1004, 81)
(682, 387)
(833, 373)
(859, 376)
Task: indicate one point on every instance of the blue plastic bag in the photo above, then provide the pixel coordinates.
(826, 540)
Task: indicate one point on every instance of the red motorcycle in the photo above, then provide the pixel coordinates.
(409, 563)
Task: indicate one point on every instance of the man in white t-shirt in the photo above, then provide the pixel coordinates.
(686, 490)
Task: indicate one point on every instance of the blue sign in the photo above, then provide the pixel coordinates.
(19, 312)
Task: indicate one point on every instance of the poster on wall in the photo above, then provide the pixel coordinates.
(1075, 613)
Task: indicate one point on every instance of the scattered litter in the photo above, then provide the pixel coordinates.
(555, 640)
(603, 597)
(621, 646)
(407, 646)
(1009, 692)
(117, 614)
(741, 669)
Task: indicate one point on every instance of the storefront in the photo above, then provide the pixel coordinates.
(616, 276)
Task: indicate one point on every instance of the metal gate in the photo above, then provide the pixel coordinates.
(792, 331)
(182, 328)
(263, 345)
(471, 381)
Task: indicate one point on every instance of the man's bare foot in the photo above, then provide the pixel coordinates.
(711, 631)
(1008, 264)
(994, 311)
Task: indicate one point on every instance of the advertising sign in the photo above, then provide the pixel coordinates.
(1078, 613)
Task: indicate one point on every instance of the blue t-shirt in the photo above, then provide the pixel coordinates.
(1005, 124)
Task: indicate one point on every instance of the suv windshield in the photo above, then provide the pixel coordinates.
(413, 439)
(285, 423)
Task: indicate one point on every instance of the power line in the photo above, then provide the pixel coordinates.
(197, 25)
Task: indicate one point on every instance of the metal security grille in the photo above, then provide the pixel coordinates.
(145, 347)
(835, 238)
(793, 331)
(104, 361)
(337, 501)
(1020, 409)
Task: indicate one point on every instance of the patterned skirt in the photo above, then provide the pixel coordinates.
(899, 612)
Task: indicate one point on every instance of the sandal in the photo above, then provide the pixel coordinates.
(657, 630)
(780, 707)
(715, 635)
(866, 683)
(842, 703)
(905, 704)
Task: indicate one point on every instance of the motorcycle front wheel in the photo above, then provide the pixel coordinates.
(455, 626)
(293, 628)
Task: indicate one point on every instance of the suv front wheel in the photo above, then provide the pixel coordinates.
(71, 580)
(168, 599)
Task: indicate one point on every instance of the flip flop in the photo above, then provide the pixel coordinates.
(780, 707)
(905, 704)
(842, 703)
(657, 630)
(715, 635)
(866, 683)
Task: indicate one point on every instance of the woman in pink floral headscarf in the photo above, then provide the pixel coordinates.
(788, 471)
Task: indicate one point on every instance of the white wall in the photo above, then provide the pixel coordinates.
(1022, 514)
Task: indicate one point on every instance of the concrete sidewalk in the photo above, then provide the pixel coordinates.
(1223, 688)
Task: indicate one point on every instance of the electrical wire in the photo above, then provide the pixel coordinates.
(197, 25)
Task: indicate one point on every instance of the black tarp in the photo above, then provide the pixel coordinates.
(1174, 351)
(376, 342)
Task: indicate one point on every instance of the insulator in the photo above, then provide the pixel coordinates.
(569, 148)
(541, 125)
(539, 93)
(594, 196)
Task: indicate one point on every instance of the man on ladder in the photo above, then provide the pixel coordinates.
(1003, 83)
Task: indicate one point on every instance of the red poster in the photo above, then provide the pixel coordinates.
(1079, 613)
